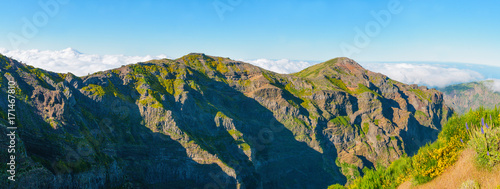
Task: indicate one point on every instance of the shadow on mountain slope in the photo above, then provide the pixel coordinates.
(278, 160)
(96, 148)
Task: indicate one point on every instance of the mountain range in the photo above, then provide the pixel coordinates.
(202, 121)
(466, 96)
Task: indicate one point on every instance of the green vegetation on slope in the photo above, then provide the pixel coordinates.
(42, 76)
(341, 120)
(362, 89)
(421, 95)
(432, 159)
(486, 142)
(338, 83)
(313, 71)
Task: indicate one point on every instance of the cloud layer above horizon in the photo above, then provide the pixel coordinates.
(421, 74)
(425, 74)
(283, 66)
(494, 85)
(70, 60)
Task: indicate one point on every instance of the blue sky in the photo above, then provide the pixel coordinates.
(424, 30)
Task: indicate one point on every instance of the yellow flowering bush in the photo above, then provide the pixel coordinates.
(431, 162)
(433, 159)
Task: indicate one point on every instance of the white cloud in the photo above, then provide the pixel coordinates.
(494, 85)
(425, 74)
(422, 74)
(70, 60)
(280, 66)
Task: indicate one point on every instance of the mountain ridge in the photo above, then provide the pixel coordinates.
(470, 96)
(242, 123)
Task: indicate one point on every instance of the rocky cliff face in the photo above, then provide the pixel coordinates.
(466, 96)
(211, 122)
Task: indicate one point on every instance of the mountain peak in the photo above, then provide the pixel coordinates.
(191, 54)
(349, 64)
(194, 56)
(334, 66)
(71, 50)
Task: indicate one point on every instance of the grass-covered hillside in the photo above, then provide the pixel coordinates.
(474, 135)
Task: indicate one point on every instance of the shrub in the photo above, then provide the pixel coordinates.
(433, 160)
(336, 186)
(486, 142)
(470, 184)
(390, 177)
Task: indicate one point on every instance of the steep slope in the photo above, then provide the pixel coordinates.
(467, 148)
(466, 96)
(387, 105)
(462, 171)
(203, 121)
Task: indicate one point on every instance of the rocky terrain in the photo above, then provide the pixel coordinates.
(211, 122)
(466, 96)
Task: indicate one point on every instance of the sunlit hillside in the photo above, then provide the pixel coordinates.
(467, 152)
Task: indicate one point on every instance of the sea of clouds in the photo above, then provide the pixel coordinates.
(80, 64)
(425, 74)
(71, 60)
(283, 66)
